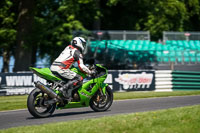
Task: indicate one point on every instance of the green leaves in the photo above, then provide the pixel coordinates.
(166, 16)
(155, 16)
(7, 24)
(55, 20)
(7, 37)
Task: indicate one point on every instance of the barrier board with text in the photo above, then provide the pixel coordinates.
(118, 80)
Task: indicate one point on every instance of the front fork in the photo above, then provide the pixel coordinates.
(102, 90)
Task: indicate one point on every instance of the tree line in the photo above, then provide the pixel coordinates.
(44, 27)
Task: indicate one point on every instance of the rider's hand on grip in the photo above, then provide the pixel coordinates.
(93, 73)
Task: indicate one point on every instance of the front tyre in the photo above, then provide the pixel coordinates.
(101, 102)
(36, 104)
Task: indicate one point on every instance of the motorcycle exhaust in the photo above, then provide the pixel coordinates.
(46, 89)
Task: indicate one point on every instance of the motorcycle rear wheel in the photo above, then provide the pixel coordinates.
(101, 103)
(35, 104)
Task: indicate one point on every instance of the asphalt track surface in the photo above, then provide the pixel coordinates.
(23, 118)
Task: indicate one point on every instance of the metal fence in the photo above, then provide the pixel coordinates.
(114, 35)
(171, 35)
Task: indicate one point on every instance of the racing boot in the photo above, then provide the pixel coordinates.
(70, 86)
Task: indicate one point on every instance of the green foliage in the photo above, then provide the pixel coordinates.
(55, 20)
(152, 15)
(7, 24)
(193, 9)
(7, 31)
(166, 16)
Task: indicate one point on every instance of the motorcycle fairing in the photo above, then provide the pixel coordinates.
(44, 73)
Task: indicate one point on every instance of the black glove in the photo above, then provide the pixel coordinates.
(93, 73)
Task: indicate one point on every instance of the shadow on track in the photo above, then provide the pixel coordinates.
(66, 114)
(72, 113)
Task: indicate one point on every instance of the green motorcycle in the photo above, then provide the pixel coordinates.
(44, 99)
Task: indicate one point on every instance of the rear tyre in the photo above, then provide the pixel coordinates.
(100, 102)
(36, 106)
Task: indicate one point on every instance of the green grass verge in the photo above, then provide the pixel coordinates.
(177, 120)
(149, 94)
(13, 102)
(19, 102)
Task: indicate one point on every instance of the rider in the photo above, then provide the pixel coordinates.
(61, 66)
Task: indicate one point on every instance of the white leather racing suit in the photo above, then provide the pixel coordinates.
(65, 60)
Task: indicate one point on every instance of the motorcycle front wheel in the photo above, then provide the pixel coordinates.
(101, 102)
(36, 104)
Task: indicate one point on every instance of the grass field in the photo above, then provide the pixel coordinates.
(19, 102)
(12, 102)
(148, 94)
(177, 120)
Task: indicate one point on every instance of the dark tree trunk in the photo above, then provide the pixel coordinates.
(23, 51)
(34, 58)
(6, 60)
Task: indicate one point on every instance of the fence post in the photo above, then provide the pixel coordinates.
(124, 35)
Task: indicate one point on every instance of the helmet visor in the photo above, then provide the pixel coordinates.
(83, 43)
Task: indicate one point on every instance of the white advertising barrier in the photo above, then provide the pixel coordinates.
(129, 80)
(18, 83)
(118, 80)
(163, 80)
